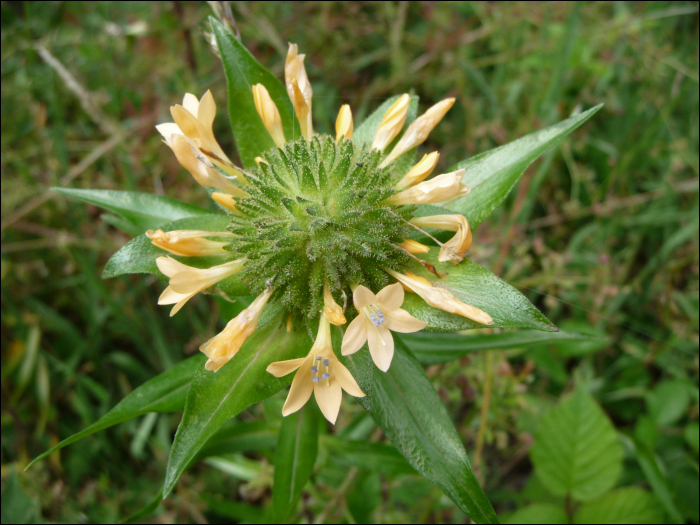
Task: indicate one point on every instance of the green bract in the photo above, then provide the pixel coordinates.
(316, 213)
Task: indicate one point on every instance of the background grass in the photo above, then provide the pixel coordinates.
(601, 233)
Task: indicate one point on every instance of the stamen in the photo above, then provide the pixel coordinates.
(325, 376)
(314, 369)
(318, 358)
(326, 361)
(314, 379)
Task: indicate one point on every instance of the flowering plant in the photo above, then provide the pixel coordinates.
(331, 243)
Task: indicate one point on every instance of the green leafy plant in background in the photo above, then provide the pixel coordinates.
(401, 400)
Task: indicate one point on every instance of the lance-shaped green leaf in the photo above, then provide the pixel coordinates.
(382, 458)
(295, 457)
(242, 73)
(164, 393)
(475, 286)
(141, 210)
(492, 174)
(433, 349)
(215, 398)
(411, 414)
(139, 254)
(576, 450)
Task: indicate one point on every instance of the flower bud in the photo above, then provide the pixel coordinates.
(343, 124)
(223, 346)
(413, 247)
(188, 243)
(331, 309)
(439, 189)
(269, 114)
(299, 89)
(419, 130)
(392, 123)
(419, 172)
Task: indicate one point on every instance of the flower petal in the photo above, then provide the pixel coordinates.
(207, 111)
(167, 129)
(355, 336)
(328, 394)
(401, 321)
(381, 346)
(363, 296)
(301, 390)
(282, 368)
(390, 297)
(169, 266)
(345, 379)
(190, 103)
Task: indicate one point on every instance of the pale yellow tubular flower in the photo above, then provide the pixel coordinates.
(419, 130)
(456, 248)
(343, 124)
(225, 200)
(319, 372)
(439, 297)
(378, 314)
(331, 309)
(223, 346)
(413, 247)
(194, 161)
(169, 267)
(189, 243)
(438, 189)
(299, 89)
(196, 119)
(392, 123)
(269, 114)
(419, 172)
(186, 281)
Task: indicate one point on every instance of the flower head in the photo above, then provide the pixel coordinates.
(319, 372)
(222, 347)
(313, 220)
(378, 314)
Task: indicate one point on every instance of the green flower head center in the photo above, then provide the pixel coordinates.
(316, 213)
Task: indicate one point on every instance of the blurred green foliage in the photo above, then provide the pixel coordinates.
(601, 233)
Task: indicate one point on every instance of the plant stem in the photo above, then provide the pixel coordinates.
(485, 406)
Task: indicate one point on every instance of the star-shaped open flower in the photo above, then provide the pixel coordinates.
(378, 315)
(319, 372)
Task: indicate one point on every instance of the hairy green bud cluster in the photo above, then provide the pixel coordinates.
(316, 212)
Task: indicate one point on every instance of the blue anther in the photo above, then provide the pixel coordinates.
(314, 379)
(314, 369)
(373, 318)
(318, 358)
(326, 361)
(325, 376)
